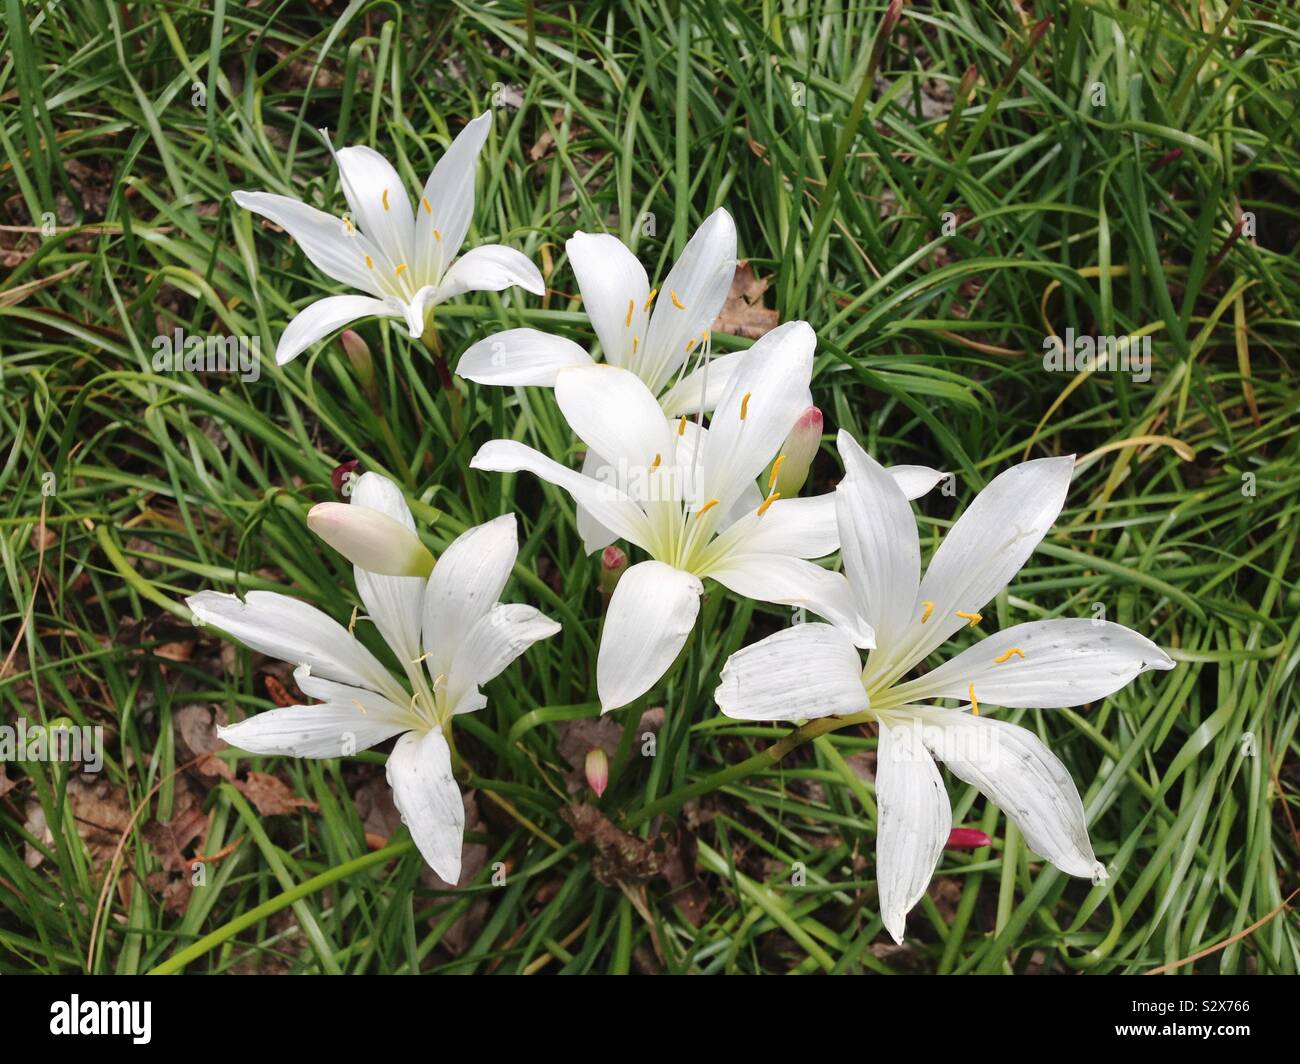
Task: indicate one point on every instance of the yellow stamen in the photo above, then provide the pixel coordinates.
(370, 263)
(437, 235)
(690, 344)
(347, 222)
(399, 268)
(676, 302)
(424, 200)
(705, 337)
(744, 405)
(655, 464)
(635, 341)
(681, 426)
(650, 299)
(384, 197)
(631, 305)
(352, 621)
(1007, 656)
(974, 618)
(706, 507)
(974, 704)
(776, 471)
(768, 502)
(929, 609)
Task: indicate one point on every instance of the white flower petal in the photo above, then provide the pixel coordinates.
(614, 291)
(915, 480)
(290, 630)
(520, 357)
(446, 207)
(380, 205)
(324, 239)
(317, 320)
(429, 800)
(491, 644)
(595, 536)
(490, 268)
(613, 413)
(709, 383)
(799, 527)
(795, 582)
(807, 671)
(611, 507)
(465, 584)
(770, 389)
(987, 546)
(690, 297)
(349, 719)
(878, 539)
(651, 612)
(1063, 662)
(914, 821)
(394, 603)
(1011, 767)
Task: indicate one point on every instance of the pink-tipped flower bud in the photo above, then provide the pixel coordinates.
(370, 539)
(967, 84)
(358, 352)
(597, 768)
(612, 563)
(344, 477)
(790, 470)
(967, 839)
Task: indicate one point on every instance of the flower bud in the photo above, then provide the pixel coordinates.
(370, 539)
(597, 768)
(612, 563)
(344, 477)
(797, 454)
(967, 839)
(358, 352)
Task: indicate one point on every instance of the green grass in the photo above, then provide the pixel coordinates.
(930, 345)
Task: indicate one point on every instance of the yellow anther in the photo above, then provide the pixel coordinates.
(676, 302)
(681, 426)
(929, 609)
(706, 507)
(631, 305)
(384, 198)
(690, 344)
(974, 618)
(399, 268)
(370, 263)
(352, 621)
(347, 222)
(1007, 656)
(974, 703)
(744, 405)
(705, 337)
(776, 471)
(420, 660)
(650, 298)
(437, 235)
(762, 509)
(424, 200)
(636, 340)
(360, 707)
(655, 464)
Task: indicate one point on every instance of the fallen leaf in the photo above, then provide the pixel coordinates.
(271, 796)
(743, 314)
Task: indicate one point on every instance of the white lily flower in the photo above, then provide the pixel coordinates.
(449, 634)
(814, 670)
(690, 500)
(403, 258)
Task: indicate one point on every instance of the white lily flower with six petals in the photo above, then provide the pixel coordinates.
(814, 670)
(692, 503)
(447, 631)
(403, 258)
